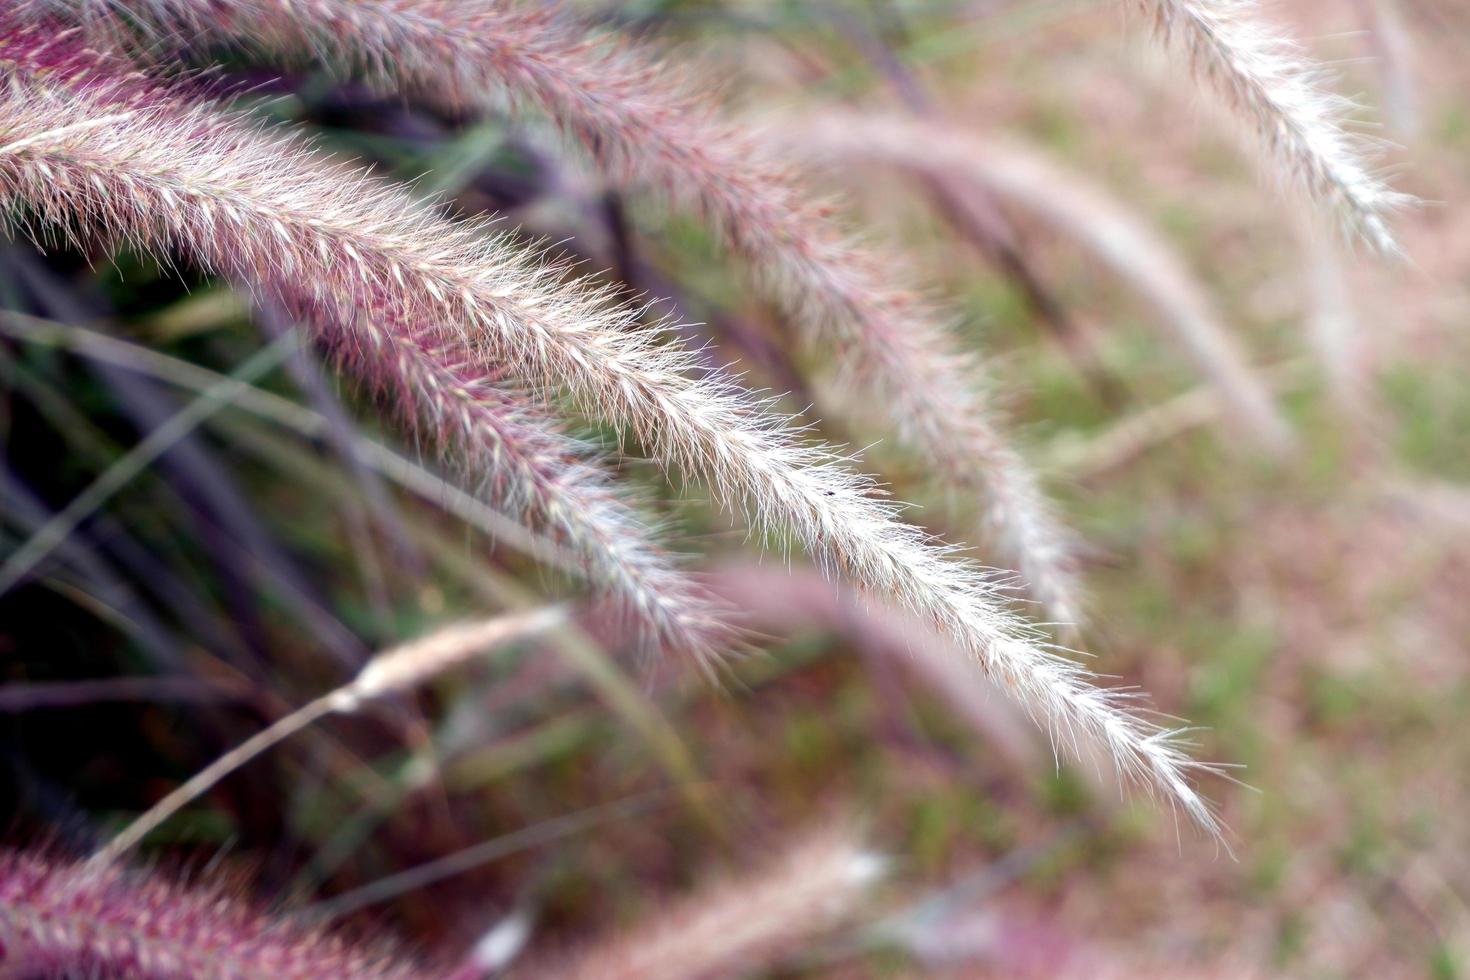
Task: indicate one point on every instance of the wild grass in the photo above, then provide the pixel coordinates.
(510, 450)
(539, 385)
(373, 263)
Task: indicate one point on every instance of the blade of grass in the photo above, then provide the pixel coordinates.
(138, 459)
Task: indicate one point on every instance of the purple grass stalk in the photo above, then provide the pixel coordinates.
(1264, 78)
(40, 695)
(340, 431)
(59, 918)
(649, 133)
(257, 208)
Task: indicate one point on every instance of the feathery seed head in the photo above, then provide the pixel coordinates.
(66, 919)
(508, 447)
(405, 668)
(1264, 78)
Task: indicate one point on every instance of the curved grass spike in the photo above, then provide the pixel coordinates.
(256, 207)
(649, 133)
(513, 452)
(1034, 184)
(64, 919)
(1263, 78)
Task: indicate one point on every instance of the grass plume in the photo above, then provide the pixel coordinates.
(736, 925)
(507, 447)
(68, 919)
(649, 132)
(1264, 78)
(518, 457)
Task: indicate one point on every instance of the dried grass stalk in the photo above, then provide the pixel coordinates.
(1337, 336)
(1398, 60)
(394, 671)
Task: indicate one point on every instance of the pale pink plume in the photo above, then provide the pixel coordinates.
(1030, 182)
(513, 453)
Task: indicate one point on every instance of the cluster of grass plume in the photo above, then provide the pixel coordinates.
(477, 345)
(378, 271)
(650, 133)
